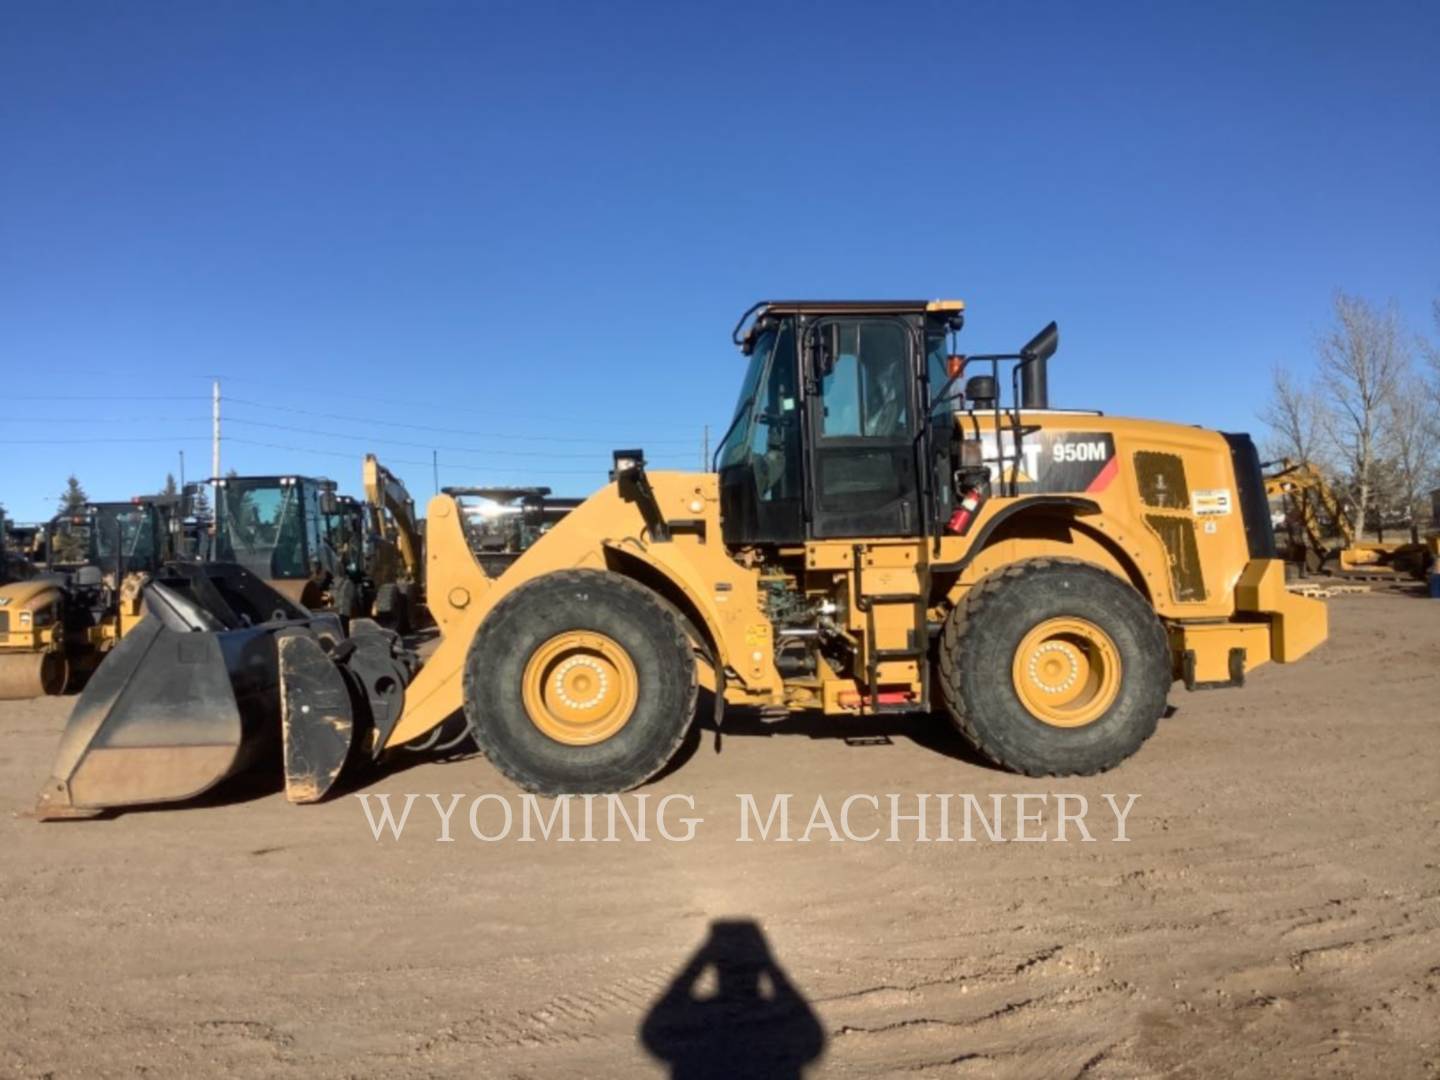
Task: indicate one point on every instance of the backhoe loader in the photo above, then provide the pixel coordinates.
(885, 529)
(85, 595)
(1310, 501)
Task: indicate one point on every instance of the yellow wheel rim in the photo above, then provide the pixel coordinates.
(1067, 672)
(580, 687)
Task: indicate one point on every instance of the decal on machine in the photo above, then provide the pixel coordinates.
(1053, 461)
(1210, 503)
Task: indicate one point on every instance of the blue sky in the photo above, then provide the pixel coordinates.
(520, 233)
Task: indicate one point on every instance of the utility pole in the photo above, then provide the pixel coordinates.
(435, 468)
(705, 450)
(215, 451)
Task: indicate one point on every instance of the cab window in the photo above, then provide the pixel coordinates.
(865, 392)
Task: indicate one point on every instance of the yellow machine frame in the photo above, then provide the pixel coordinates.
(1240, 604)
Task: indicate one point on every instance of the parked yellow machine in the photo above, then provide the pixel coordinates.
(871, 540)
(323, 550)
(84, 596)
(1311, 503)
(396, 558)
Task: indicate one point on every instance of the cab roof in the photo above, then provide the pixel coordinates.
(760, 310)
(887, 307)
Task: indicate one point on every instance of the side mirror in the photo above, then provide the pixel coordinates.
(1043, 345)
(980, 390)
(328, 504)
(627, 464)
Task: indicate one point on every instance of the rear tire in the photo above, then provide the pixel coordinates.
(1080, 619)
(631, 700)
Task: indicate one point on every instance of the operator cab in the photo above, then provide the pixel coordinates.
(273, 525)
(110, 536)
(844, 425)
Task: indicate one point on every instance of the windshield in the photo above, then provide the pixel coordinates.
(70, 541)
(258, 526)
(125, 531)
(104, 532)
(732, 448)
(345, 533)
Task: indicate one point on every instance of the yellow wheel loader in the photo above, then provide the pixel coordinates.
(84, 597)
(889, 527)
(322, 550)
(288, 531)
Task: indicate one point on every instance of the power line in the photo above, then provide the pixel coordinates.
(98, 420)
(600, 467)
(472, 450)
(446, 430)
(348, 417)
(107, 439)
(104, 397)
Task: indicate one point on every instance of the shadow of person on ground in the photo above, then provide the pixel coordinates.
(732, 1011)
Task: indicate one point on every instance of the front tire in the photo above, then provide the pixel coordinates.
(1055, 667)
(580, 682)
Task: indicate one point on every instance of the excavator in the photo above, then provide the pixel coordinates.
(888, 526)
(396, 559)
(1310, 503)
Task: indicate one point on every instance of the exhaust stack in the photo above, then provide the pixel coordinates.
(1034, 368)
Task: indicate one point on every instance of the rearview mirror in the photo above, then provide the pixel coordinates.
(328, 504)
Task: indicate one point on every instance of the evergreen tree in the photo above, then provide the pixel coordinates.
(69, 546)
(73, 498)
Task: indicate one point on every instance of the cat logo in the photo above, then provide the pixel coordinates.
(1014, 474)
(1043, 461)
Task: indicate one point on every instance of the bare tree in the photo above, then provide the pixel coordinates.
(1295, 416)
(1431, 351)
(1411, 442)
(1361, 357)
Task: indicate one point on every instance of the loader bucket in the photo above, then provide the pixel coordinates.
(193, 695)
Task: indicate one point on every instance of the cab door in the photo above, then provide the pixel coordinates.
(861, 421)
(760, 460)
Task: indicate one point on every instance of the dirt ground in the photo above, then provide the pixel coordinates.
(1276, 911)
